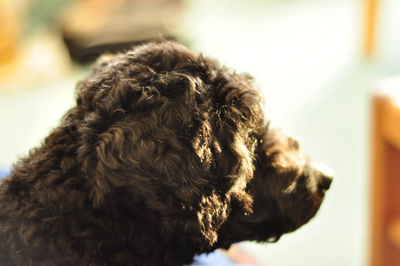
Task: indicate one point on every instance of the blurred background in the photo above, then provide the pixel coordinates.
(311, 58)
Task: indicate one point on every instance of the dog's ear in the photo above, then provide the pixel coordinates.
(133, 129)
(104, 100)
(135, 112)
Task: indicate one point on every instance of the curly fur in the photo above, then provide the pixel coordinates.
(153, 165)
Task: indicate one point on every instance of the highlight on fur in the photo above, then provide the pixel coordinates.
(165, 155)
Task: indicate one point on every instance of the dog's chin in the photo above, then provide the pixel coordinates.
(306, 208)
(303, 213)
(288, 220)
(308, 201)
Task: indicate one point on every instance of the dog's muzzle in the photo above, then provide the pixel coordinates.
(325, 176)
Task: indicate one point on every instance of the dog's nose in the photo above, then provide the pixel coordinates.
(325, 182)
(325, 176)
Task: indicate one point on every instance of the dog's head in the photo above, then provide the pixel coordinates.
(173, 140)
(169, 136)
(287, 188)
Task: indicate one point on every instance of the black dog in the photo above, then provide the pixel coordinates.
(165, 155)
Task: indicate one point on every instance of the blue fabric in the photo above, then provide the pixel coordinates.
(215, 258)
(3, 173)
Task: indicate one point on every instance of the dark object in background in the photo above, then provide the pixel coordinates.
(93, 27)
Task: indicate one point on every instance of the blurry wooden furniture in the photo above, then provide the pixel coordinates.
(8, 32)
(370, 26)
(385, 246)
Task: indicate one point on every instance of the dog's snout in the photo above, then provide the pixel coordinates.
(325, 175)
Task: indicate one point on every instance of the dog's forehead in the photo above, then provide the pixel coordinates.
(163, 56)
